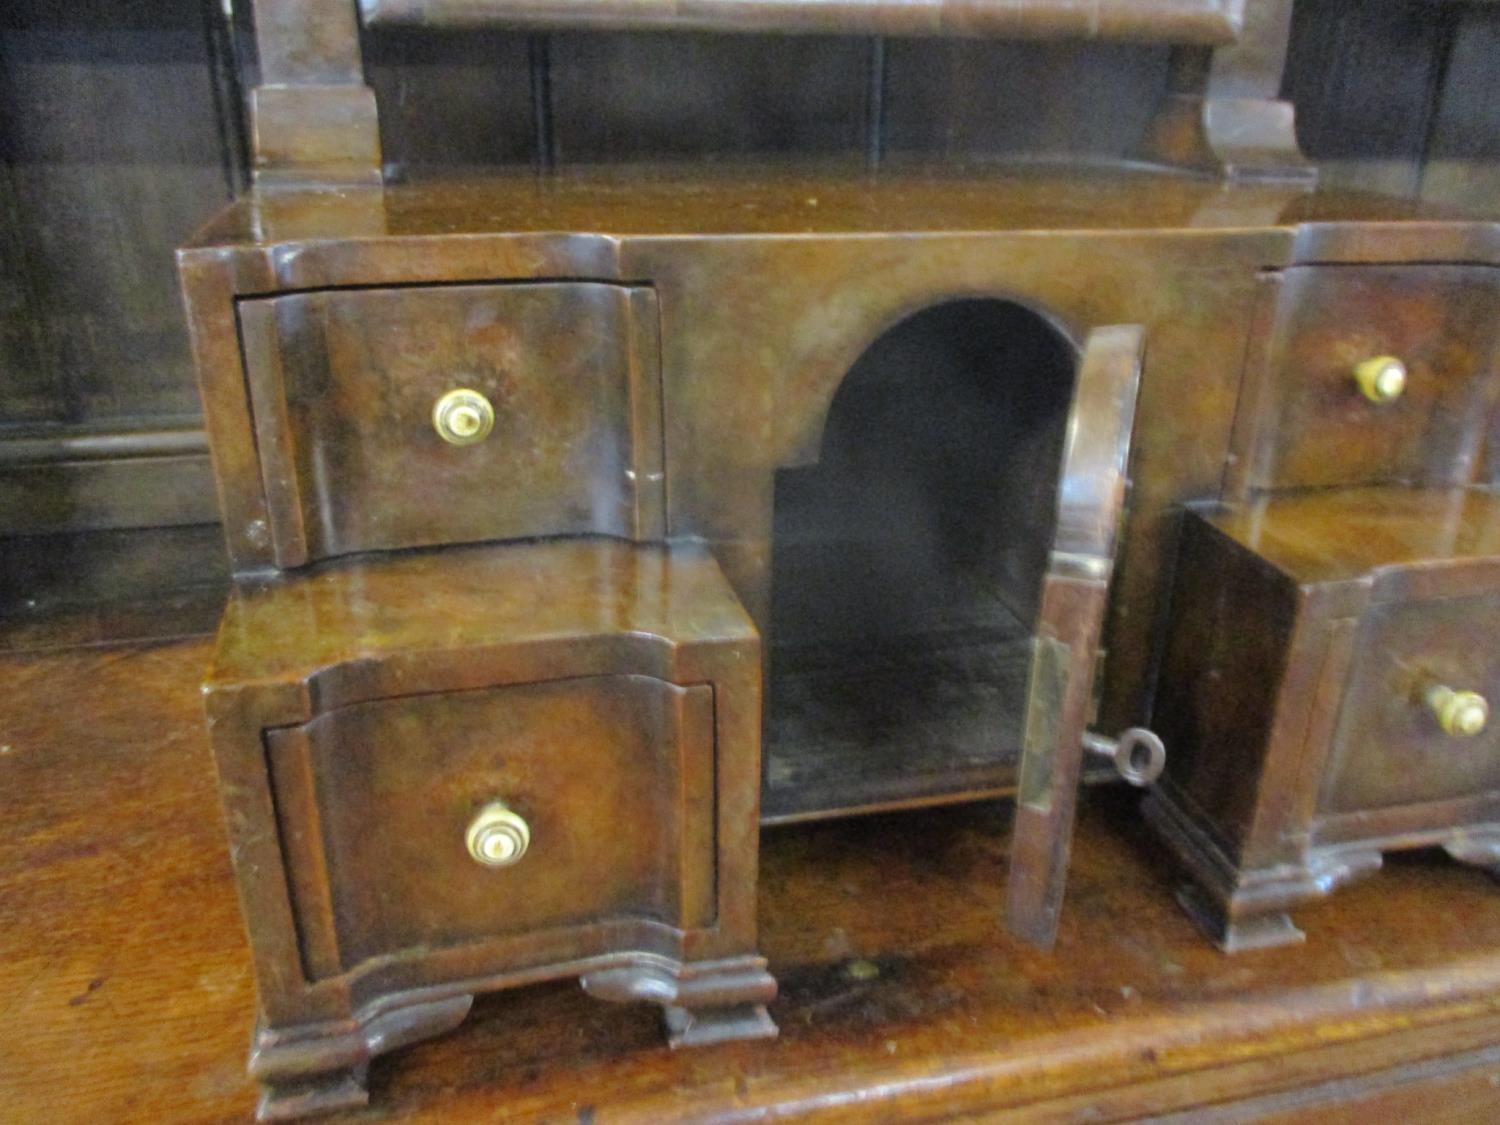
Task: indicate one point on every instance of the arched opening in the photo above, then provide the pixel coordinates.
(907, 565)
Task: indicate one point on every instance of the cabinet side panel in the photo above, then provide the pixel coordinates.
(1225, 660)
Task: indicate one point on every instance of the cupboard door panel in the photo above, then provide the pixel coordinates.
(1090, 499)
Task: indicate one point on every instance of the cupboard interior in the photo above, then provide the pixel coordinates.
(907, 565)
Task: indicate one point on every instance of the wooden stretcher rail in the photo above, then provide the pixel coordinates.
(1206, 22)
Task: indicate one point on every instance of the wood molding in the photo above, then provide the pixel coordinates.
(91, 479)
(1223, 114)
(1208, 22)
(72, 444)
(312, 118)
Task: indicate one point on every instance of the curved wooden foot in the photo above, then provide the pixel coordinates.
(1251, 911)
(707, 1002)
(698, 1027)
(317, 1093)
(1237, 934)
(1246, 908)
(322, 1067)
(1478, 847)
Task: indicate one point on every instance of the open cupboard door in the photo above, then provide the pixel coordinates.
(1075, 587)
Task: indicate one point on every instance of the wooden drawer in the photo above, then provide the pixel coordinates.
(611, 775)
(1306, 422)
(382, 724)
(1389, 748)
(1327, 651)
(343, 387)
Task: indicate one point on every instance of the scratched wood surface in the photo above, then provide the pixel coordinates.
(127, 988)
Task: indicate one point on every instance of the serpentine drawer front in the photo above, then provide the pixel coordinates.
(1370, 374)
(1414, 727)
(410, 417)
(429, 821)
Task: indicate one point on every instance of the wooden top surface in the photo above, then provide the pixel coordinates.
(472, 599)
(766, 199)
(128, 993)
(1345, 534)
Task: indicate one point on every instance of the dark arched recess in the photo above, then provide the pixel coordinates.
(907, 564)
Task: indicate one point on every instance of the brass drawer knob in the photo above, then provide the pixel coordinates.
(498, 836)
(462, 417)
(1463, 714)
(1381, 379)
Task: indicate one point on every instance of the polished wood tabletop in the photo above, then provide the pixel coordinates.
(125, 977)
(1338, 535)
(827, 197)
(471, 600)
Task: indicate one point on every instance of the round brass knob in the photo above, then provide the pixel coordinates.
(463, 417)
(1463, 714)
(498, 836)
(1381, 379)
